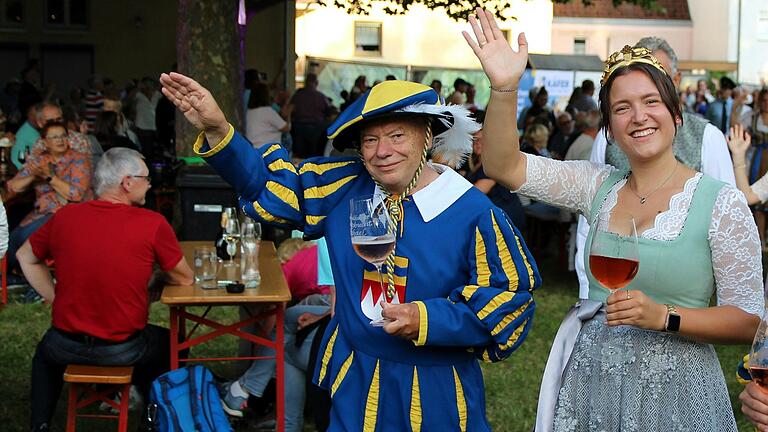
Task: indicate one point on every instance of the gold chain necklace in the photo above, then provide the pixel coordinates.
(644, 198)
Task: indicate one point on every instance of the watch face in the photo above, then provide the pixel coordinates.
(674, 323)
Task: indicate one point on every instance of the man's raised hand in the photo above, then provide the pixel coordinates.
(196, 103)
(503, 65)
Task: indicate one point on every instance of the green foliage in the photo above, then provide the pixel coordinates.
(458, 10)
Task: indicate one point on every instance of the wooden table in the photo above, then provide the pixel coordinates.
(273, 291)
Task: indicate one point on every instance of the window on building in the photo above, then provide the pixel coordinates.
(12, 13)
(66, 13)
(579, 46)
(368, 38)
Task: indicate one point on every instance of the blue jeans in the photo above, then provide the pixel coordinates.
(19, 235)
(148, 352)
(256, 378)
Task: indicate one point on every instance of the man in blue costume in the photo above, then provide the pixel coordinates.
(458, 286)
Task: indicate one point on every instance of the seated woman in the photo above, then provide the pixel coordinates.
(59, 176)
(697, 239)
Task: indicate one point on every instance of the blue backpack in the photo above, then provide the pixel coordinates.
(187, 400)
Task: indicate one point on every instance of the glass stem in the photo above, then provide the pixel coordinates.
(381, 284)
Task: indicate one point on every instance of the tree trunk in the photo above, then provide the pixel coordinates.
(209, 49)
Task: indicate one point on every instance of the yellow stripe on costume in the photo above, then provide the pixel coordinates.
(401, 261)
(271, 148)
(415, 403)
(481, 262)
(461, 403)
(319, 192)
(372, 403)
(495, 302)
(486, 356)
(327, 355)
(267, 216)
(527, 263)
(509, 318)
(395, 92)
(313, 220)
(344, 126)
(514, 336)
(374, 276)
(423, 324)
(507, 264)
(469, 291)
(281, 165)
(217, 148)
(286, 195)
(342, 373)
(322, 168)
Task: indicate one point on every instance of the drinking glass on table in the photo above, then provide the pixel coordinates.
(250, 235)
(231, 234)
(206, 266)
(614, 261)
(373, 237)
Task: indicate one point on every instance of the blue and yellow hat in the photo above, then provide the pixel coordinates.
(452, 125)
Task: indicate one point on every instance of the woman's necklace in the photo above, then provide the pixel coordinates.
(644, 198)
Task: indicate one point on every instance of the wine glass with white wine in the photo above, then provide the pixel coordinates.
(231, 234)
(373, 237)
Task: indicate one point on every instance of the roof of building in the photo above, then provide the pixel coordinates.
(667, 10)
(565, 62)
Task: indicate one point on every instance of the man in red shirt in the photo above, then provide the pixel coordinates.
(105, 252)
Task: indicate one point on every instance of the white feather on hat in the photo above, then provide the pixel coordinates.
(455, 144)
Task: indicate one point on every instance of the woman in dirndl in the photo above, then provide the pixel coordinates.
(696, 238)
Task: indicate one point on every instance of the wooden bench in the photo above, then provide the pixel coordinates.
(82, 393)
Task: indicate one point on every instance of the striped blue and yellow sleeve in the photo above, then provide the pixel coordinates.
(742, 371)
(494, 311)
(271, 189)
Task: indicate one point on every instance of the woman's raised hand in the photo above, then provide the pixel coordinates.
(503, 65)
(738, 140)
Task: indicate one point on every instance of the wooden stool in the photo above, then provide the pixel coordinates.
(81, 378)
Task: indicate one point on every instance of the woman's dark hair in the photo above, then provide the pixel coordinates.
(761, 96)
(259, 96)
(661, 80)
(106, 125)
(53, 124)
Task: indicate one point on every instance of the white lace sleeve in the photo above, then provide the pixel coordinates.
(760, 188)
(571, 185)
(736, 253)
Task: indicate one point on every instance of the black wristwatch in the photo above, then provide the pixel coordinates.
(48, 179)
(672, 324)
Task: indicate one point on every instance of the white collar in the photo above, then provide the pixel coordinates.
(437, 196)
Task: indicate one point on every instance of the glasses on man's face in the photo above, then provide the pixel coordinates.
(53, 120)
(145, 177)
(56, 137)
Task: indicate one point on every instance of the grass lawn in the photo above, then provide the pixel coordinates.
(511, 386)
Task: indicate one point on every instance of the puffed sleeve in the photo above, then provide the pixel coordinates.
(493, 312)
(272, 190)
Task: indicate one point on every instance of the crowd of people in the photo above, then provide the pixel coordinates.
(685, 164)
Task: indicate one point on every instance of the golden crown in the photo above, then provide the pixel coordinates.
(626, 57)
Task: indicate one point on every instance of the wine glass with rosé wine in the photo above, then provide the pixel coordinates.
(613, 262)
(373, 237)
(758, 356)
